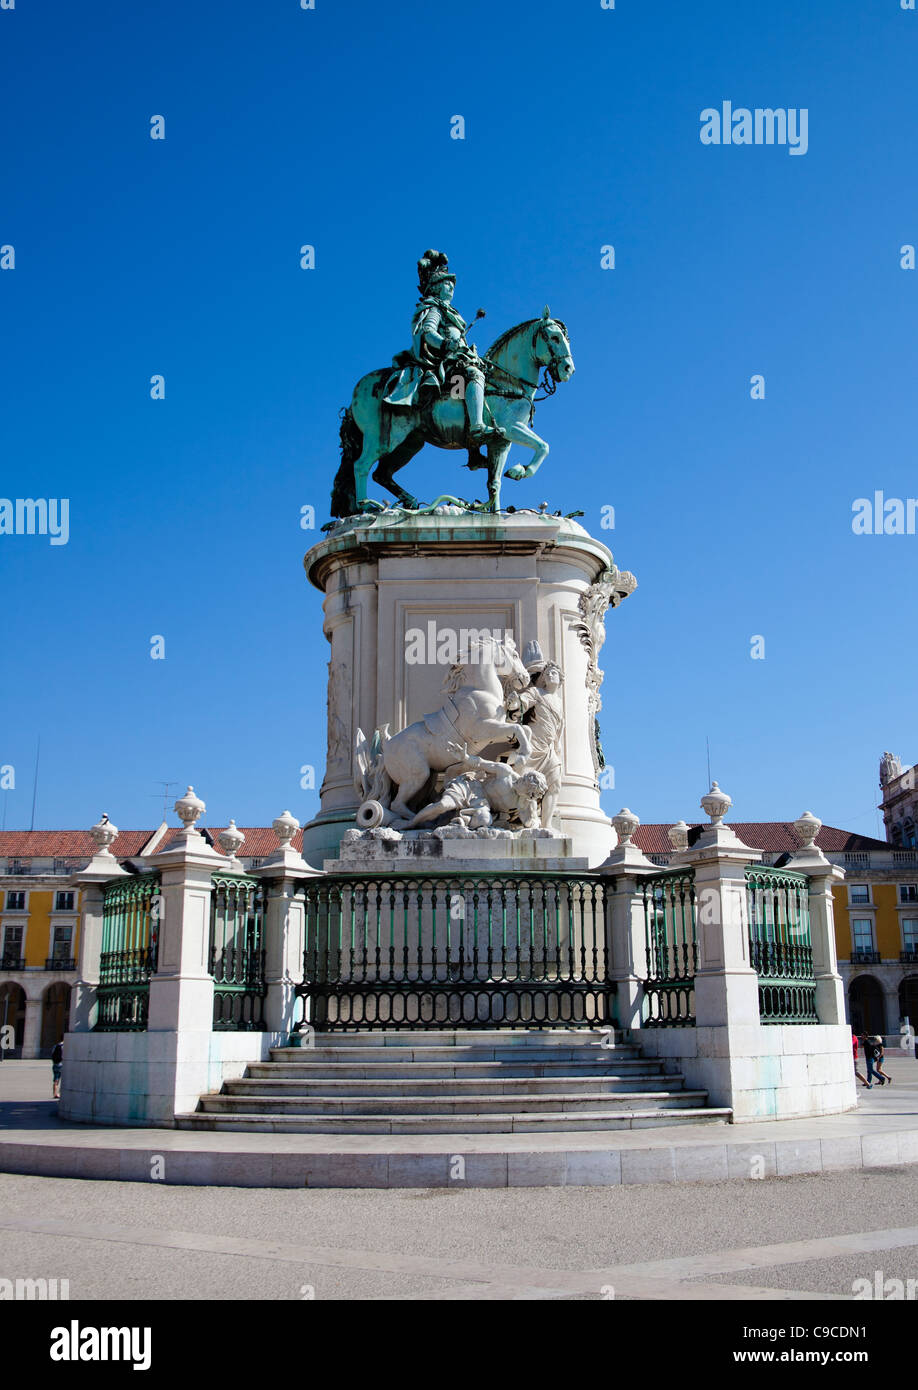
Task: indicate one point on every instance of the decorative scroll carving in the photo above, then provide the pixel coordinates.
(612, 586)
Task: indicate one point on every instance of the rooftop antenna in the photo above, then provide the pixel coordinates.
(35, 782)
(165, 794)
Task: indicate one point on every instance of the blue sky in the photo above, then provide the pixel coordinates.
(332, 127)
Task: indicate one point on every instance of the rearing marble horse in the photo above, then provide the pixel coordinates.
(372, 432)
(472, 717)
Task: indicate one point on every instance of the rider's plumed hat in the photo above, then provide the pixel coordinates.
(433, 268)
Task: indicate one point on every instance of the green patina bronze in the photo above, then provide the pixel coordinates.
(441, 392)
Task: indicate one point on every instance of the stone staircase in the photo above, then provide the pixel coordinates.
(453, 1082)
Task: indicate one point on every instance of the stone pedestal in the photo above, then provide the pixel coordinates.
(450, 849)
(531, 575)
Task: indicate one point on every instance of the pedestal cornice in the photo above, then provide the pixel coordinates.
(484, 533)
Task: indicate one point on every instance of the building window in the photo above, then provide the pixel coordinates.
(15, 902)
(63, 902)
(908, 892)
(12, 947)
(862, 928)
(910, 933)
(19, 866)
(859, 893)
(908, 834)
(61, 944)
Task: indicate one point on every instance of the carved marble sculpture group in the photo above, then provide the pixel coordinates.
(489, 756)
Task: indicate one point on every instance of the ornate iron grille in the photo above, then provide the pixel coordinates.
(130, 920)
(456, 950)
(672, 949)
(237, 953)
(780, 947)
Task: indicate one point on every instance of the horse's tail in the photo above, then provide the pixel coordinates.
(344, 488)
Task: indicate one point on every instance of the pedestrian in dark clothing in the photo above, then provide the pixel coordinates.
(871, 1052)
(57, 1059)
(878, 1060)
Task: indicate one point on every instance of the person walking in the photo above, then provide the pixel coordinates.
(57, 1060)
(870, 1057)
(854, 1048)
(879, 1054)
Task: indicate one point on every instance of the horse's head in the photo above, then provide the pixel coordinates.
(521, 351)
(510, 669)
(483, 649)
(551, 347)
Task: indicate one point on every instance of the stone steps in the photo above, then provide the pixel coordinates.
(307, 1073)
(453, 1082)
(449, 1104)
(507, 1123)
(393, 1087)
(449, 1056)
(476, 1038)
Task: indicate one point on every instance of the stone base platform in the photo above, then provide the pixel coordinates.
(882, 1133)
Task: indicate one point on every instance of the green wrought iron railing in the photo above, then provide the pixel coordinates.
(237, 952)
(671, 949)
(130, 925)
(780, 946)
(463, 950)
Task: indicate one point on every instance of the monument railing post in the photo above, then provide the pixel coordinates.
(830, 988)
(726, 985)
(625, 928)
(182, 987)
(91, 882)
(83, 998)
(285, 926)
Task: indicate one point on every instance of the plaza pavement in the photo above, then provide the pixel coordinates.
(799, 1236)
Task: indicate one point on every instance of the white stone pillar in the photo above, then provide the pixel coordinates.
(31, 1037)
(626, 941)
(101, 869)
(179, 1040)
(726, 985)
(830, 987)
(715, 1053)
(285, 926)
(182, 989)
(285, 941)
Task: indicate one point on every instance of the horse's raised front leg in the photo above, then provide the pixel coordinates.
(522, 434)
(500, 731)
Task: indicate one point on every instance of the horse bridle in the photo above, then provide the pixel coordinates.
(549, 382)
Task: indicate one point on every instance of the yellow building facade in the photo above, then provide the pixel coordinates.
(39, 950)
